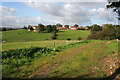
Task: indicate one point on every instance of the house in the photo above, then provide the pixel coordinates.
(64, 28)
(85, 28)
(73, 27)
(34, 28)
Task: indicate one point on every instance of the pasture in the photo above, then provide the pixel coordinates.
(21, 45)
(25, 36)
(70, 61)
(33, 55)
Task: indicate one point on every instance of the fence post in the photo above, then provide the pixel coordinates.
(30, 46)
(54, 43)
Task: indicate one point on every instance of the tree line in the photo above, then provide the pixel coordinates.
(108, 32)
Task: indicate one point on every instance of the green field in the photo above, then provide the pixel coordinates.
(72, 62)
(25, 36)
(32, 55)
(73, 34)
(20, 45)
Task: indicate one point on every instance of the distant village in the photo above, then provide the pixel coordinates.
(35, 28)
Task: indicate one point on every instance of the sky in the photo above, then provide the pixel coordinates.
(19, 14)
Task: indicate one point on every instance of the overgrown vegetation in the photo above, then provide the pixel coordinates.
(12, 59)
(108, 32)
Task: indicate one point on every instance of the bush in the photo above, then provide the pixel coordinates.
(108, 32)
(79, 38)
(68, 39)
(4, 29)
(81, 29)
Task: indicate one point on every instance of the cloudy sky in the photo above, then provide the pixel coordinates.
(18, 14)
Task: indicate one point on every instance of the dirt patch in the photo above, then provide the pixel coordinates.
(28, 39)
(46, 72)
(109, 65)
(107, 43)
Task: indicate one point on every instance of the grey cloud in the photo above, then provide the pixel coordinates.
(104, 14)
(67, 13)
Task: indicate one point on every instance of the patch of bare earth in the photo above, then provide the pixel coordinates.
(43, 71)
(109, 65)
(107, 43)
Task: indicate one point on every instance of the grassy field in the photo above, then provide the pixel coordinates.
(73, 62)
(25, 36)
(20, 45)
(60, 61)
(73, 34)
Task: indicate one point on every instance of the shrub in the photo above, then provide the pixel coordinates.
(108, 32)
(81, 29)
(68, 39)
(79, 38)
(31, 28)
(48, 28)
(4, 29)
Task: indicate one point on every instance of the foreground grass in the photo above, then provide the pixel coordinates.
(19, 56)
(25, 36)
(73, 62)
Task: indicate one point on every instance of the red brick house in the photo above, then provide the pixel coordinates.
(73, 27)
(83, 27)
(34, 28)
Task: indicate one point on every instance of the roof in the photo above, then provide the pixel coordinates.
(73, 27)
(62, 28)
(82, 27)
(32, 26)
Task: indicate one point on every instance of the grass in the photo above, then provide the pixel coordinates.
(73, 62)
(73, 34)
(15, 70)
(25, 36)
(20, 45)
(112, 48)
(80, 64)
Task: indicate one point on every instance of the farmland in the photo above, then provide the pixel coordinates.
(38, 58)
(71, 61)
(20, 45)
(18, 39)
(25, 36)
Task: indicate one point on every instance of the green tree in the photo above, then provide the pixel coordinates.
(4, 29)
(118, 32)
(115, 6)
(108, 32)
(54, 29)
(96, 28)
(48, 28)
(89, 27)
(40, 27)
(28, 26)
(76, 25)
(31, 28)
(58, 25)
(24, 27)
(67, 26)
